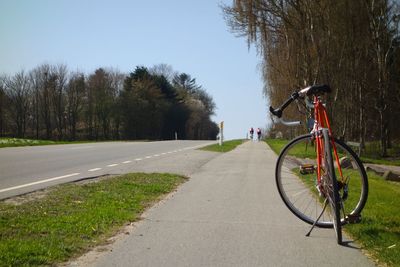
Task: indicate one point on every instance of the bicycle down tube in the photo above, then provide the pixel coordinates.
(322, 121)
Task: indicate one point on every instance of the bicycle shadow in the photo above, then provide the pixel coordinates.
(350, 244)
(346, 242)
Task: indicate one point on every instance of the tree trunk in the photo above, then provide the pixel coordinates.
(383, 134)
(361, 121)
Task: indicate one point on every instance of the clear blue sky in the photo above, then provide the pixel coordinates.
(189, 35)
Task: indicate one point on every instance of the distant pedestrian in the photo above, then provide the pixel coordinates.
(258, 134)
(251, 133)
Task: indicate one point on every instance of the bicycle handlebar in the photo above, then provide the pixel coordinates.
(308, 91)
(278, 112)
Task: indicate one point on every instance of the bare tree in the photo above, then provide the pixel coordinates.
(37, 84)
(383, 25)
(101, 98)
(57, 91)
(117, 85)
(42, 79)
(2, 104)
(75, 93)
(163, 70)
(18, 90)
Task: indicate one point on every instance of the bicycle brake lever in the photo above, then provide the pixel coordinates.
(288, 123)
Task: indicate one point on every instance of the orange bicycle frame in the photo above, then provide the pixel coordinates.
(322, 121)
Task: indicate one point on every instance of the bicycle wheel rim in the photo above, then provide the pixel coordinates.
(299, 192)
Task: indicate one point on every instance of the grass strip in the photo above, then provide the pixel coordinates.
(395, 162)
(379, 231)
(278, 144)
(226, 146)
(72, 218)
(16, 142)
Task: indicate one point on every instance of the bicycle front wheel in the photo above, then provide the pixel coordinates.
(296, 179)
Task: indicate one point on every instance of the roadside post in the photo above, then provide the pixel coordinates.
(221, 132)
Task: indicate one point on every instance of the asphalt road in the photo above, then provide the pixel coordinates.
(228, 214)
(26, 169)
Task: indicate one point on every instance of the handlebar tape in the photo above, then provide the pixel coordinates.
(319, 89)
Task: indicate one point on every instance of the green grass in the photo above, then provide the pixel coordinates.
(395, 162)
(379, 231)
(371, 154)
(226, 146)
(15, 142)
(278, 144)
(74, 217)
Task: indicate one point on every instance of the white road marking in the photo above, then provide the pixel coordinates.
(39, 182)
(112, 165)
(95, 169)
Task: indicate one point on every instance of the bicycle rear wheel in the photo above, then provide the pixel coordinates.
(296, 179)
(330, 185)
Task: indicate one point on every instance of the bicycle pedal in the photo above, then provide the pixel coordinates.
(353, 218)
(307, 169)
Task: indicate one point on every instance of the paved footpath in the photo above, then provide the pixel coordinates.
(228, 214)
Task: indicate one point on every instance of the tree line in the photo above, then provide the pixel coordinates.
(50, 102)
(351, 45)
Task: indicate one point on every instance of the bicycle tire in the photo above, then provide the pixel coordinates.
(287, 175)
(331, 186)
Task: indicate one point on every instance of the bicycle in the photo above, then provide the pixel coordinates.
(321, 189)
(258, 134)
